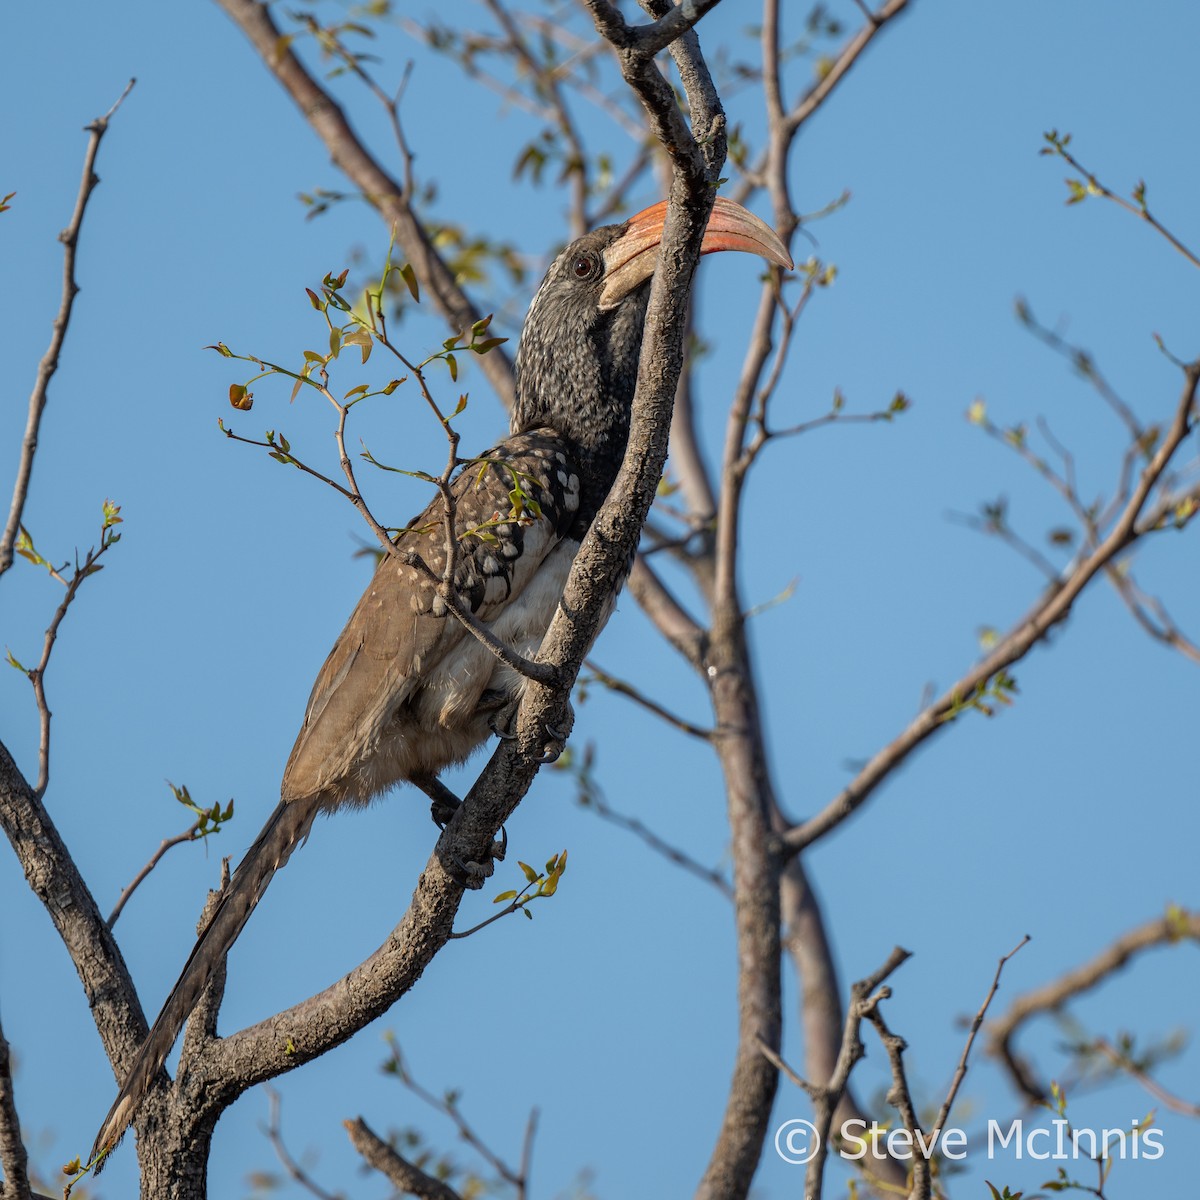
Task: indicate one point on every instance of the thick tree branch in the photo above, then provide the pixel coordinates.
(409, 1179)
(13, 1159)
(55, 880)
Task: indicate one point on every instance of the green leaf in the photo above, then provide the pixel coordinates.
(530, 874)
(315, 300)
(222, 349)
(410, 278)
(391, 387)
(509, 895)
(488, 344)
(452, 363)
(13, 662)
(462, 403)
(335, 342)
(357, 391)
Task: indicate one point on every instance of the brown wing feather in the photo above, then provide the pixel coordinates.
(355, 739)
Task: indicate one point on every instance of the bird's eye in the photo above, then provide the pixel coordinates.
(583, 266)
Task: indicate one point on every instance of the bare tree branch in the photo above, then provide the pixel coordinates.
(55, 880)
(1123, 1062)
(623, 688)
(850, 54)
(409, 1179)
(865, 995)
(1176, 926)
(516, 1178)
(295, 1171)
(1151, 614)
(822, 1017)
(1054, 607)
(188, 835)
(351, 156)
(960, 1072)
(49, 364)
(899, 1096)
(590, 796)
(668, 615)
(13, 1158)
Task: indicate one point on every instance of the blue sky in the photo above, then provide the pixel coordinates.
(1071, 817)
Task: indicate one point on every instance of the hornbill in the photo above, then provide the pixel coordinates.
(407, 690)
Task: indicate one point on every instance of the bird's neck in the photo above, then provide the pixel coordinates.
(583, 390)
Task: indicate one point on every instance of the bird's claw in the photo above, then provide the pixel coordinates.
(552, 751)
(504, 735)
(441, 810)
(472, 874)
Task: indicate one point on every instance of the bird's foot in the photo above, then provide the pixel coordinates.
(472, 874)
(557, 735)
(443, 802)
(443, 805)
(501, 731)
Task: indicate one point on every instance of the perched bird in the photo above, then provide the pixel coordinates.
(406, 690)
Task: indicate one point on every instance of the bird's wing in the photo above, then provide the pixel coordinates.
(512, 507)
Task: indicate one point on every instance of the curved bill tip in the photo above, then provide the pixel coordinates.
(631, 258)
(732, 227)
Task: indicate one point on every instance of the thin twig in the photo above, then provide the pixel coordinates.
(866, 994)
(1122, 1062)
(1151, 615)
(899, 1096)
(849, 55)
(1175, 927)
(37, 675)
(527, 1154)
(622, 688)
(49, 363)
(294, 1170)
(592, 798)
(189, 835)
(453, 1113)
(1083, 362)
(1138, 209)
(976, 1024)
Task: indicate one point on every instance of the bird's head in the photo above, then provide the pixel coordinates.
(578, 358)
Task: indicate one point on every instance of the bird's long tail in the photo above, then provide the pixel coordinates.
(288, 825)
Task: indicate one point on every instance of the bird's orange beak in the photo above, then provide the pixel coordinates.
(631, 259)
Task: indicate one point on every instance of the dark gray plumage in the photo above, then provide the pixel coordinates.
(406, 690)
